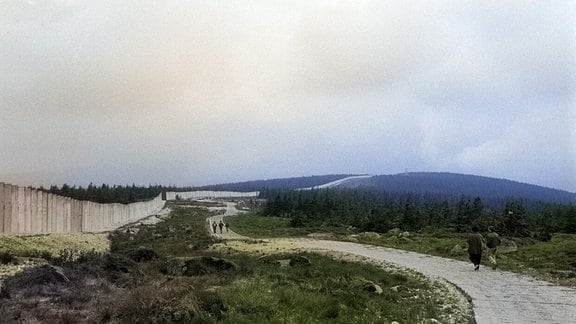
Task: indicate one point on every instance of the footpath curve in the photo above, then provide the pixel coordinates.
(497, 296)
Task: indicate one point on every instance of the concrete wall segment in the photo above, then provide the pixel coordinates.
(36, 211)
(29, 211)
(1, 207)
(7, 208)
(44, 228)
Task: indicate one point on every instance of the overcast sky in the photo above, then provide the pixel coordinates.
(205, 92)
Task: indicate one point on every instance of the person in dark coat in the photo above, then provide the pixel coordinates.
(214, 226)
(476, 245)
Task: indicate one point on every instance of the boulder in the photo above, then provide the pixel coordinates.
(507, 246)
(299, 261)
(282, 263)
(197, 266)
(372, 287)
(370, 236)
(220, 264)
(352, 238)
(321, 235)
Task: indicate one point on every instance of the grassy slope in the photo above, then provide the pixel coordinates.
(28, 248)
(552, 261)
(114, 288)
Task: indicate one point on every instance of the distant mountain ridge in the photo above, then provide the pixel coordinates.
(278, 183)
(443, 184)
(455, 184)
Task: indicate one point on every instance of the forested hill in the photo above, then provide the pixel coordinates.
(454, 185)
(446, 186)
(281, 183)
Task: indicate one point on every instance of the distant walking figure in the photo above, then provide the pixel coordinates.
(221, 224)
(214, 227)
(227, 227)
(492, 242)
(475, 247)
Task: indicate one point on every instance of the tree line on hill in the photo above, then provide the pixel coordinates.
(106, 194)
(283, 183)
(380, 211)
(443, 183)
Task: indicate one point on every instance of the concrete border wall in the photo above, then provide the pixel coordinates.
(210, 194)
(25, 210)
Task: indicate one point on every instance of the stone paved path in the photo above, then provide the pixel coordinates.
(497, 296)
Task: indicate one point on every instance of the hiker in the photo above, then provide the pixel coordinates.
(227, 227)
(475, 247)
(221, 224)
(492, 242)
(214, 226)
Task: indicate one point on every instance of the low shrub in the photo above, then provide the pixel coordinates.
(43, 275)
(118, 263)
(6, 257)
(36, 253)
(157, 301)
(211, 303)
(143, 254)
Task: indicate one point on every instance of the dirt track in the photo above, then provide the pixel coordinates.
(497, 296)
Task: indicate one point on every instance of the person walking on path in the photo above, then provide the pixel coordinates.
(492, 242)
(214, 226)
(475, 247)
(221, 225)
(227, 227)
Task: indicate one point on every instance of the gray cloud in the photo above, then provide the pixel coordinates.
(200, 92)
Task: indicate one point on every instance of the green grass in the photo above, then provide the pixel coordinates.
(19, 251)
(553, 261)
(256, 226)
(183, 234)
(260, 227)
(329, 291)
(52, 244)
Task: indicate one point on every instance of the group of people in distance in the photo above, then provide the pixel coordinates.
(220, 225)
(477, 244)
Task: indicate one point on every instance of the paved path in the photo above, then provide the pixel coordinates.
(230, 211)
(497, 296)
